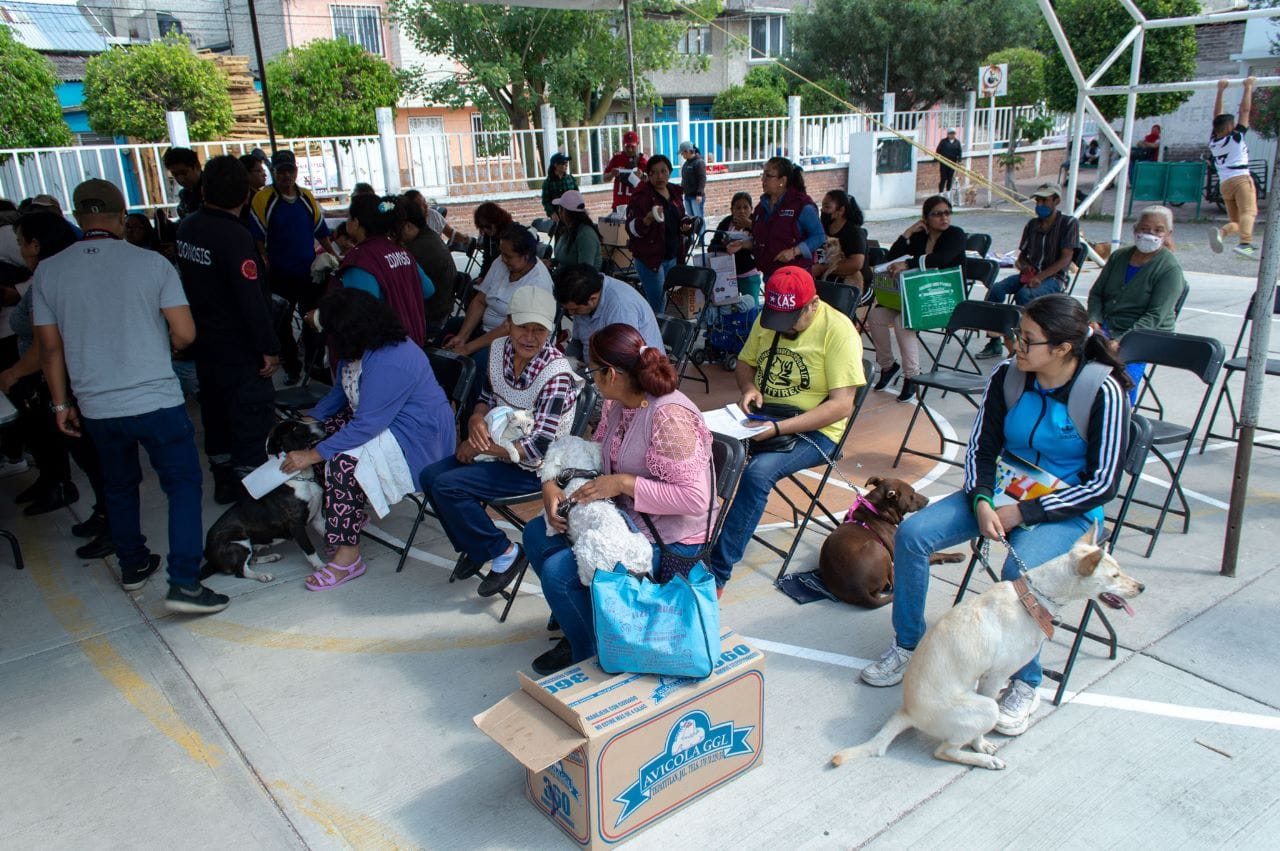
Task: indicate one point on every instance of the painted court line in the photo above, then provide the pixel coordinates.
(1105, 701)
(528, 585)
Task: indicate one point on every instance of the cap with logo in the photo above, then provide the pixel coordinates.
(571, 200)
(631, 138)
(531, 305)
(788, 291)
(284, 158)
(97, 196)
(1047, 190)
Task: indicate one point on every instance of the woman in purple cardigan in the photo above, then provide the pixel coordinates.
(657, 462)
(385, 419)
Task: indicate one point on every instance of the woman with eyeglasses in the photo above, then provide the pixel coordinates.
(785, 227)
(490, 220)
(1026, 414)
(931, 242)
(657, 467)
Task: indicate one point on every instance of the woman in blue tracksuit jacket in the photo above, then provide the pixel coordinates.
(1053, 350)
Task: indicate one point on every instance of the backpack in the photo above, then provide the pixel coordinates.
(1079, 399)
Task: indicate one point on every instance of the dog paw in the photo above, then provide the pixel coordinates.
(983, 746)
(266, 558)
(264, 577)
(995, 763)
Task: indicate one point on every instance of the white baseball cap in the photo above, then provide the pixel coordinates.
(533, 305)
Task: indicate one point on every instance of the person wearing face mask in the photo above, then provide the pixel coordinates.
(1044, 256)
(1139, 287)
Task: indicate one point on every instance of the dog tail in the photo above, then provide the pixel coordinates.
(869, 600)
(879, 743)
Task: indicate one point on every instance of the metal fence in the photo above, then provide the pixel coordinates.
(460, 166)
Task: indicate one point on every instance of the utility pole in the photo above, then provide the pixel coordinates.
(262, 72)
(631, 65)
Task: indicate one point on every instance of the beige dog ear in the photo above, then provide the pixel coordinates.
(874, 482)
(1090, 536)
(1089, 562)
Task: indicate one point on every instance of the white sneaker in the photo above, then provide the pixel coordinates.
(1017, 705)
(888, 671)
(1215, 240)
(1246, 251)
(13, 468)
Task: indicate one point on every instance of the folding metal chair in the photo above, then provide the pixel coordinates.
(801, 517)
(968, 316)
(1139, 442)
(1235, 365)
(702, 279)
(1202, 357)
(1077, 258)
(843, 297)
(978, 242)
(978, 271)
(1148, 399)
(505, 506)
(456, 375)
(729, 458)
(295, 401)
(677, 336)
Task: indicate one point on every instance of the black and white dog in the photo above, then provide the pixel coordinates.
(249, 527)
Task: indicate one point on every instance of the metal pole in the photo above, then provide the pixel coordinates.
(1254, 372)
(1185, 86)
(631, 65)
(262, 72)
(991, 145)
(1076, 150)
(1130, 113)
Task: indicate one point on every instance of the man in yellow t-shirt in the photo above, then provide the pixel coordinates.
(804, 353)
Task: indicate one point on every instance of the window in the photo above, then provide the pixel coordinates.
(487, 143)
(770, 37)
(360, 25)
(696, 41)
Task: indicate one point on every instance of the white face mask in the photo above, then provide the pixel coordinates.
(1149, 243)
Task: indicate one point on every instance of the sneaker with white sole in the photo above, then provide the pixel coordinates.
(1246, 251)
(199, 600)
(888, 671)
(13, 468)
(1019, 703)
(1215, 240)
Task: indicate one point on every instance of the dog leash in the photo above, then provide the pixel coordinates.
(862, 502)
(1028, 594)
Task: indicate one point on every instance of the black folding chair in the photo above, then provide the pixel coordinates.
(293, 402)
(456, 375)
(729, 457)
(1000, 319)
(1077, 258)
(677, 336)
(1202, 357)
(802, 511)
(843, 297)
(1237, 364)
(505, 506)
(1148, 399)
(979, 242)
(702, 279)
(1139, 442)
(978, 271)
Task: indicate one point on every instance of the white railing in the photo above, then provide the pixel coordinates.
(459, 166)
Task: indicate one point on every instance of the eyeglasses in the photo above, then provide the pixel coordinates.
(939, 214)
(771, 176)
(1024, 344)
(595, 369)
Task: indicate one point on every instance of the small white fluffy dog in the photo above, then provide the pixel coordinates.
(984, 640)
(322, 267)
(597, 530)
(506, 426)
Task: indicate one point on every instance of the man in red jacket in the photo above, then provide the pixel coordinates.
(627, 162)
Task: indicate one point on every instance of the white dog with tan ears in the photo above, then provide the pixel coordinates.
(984, 640)
(598, 530)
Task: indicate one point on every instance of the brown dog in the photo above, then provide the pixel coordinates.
(856, 561)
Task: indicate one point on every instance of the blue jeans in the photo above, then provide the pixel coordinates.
(652, 283)
(951, 521)
(570, 600)
(763, 470)
(1022, 295)
(457, 490)
(694, 207)
(169, 438)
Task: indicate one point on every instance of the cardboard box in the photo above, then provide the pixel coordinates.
(607, 755)
(613, 243)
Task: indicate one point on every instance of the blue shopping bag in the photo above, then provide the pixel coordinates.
(646, 628)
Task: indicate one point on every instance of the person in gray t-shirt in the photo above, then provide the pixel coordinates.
(108, 315)
(595, 300)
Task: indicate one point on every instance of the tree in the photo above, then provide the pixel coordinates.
(518, 58)
(329, 87)
(749, 102)
(30, 116)
(931, 49)
(1095, 27)
(127, 91)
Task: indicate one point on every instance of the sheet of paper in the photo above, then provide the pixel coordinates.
(266, 478)
(884, 267)
(728, 421)
(633, 178)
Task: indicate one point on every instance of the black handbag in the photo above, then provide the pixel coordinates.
(672, 564)
(776, 410)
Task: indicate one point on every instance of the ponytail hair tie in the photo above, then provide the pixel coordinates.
(386, 207)
(1088, 331)
(643, 349)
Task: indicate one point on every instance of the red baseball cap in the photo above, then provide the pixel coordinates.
(631, 138)
(788, 291)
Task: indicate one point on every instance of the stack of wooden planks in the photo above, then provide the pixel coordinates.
(246, 101)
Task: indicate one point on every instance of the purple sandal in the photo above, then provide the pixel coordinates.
(324, 578)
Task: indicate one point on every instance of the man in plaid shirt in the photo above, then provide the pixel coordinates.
(526, 372)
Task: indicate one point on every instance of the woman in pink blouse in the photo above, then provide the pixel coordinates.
(657, 462)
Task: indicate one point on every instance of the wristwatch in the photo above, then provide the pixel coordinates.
(65, 406)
